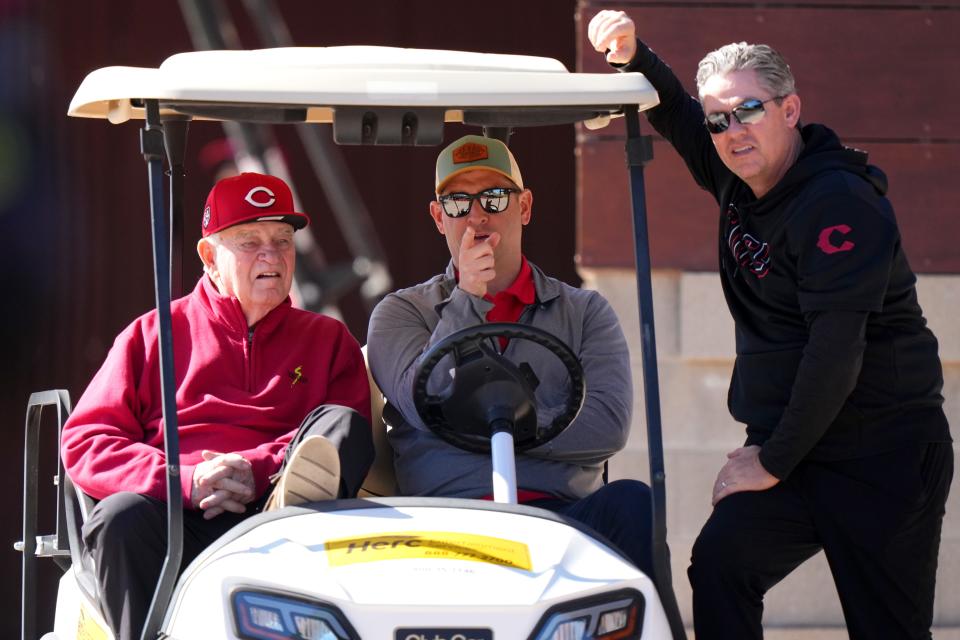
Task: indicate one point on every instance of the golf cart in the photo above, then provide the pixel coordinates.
(378, 566)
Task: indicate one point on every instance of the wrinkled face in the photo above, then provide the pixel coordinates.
(508, 223)
(758, 153)
(253, 263)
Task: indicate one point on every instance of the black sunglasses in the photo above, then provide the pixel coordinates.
(457, 205)
(748, 112)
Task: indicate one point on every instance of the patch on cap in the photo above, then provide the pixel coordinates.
(206, 217)
(470, 152)
(475, 152)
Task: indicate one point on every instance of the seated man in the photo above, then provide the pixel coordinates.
(249, 369)
(481, 209)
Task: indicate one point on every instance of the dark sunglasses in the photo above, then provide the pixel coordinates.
(457, 205)
(748, 112)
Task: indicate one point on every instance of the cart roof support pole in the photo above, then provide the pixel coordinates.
(151, 143)
(175, 140)
(639, 152)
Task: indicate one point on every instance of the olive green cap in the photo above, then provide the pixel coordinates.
(476, 152)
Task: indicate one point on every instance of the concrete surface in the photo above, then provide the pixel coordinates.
(694, 335)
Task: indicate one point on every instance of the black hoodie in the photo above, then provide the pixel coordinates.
(834, 359)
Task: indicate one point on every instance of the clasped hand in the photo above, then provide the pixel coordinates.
(222, 482)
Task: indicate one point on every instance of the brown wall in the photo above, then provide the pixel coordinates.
(882, 74)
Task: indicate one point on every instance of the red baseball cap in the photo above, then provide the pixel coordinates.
(250, 197)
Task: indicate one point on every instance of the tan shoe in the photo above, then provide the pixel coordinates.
(312, 474)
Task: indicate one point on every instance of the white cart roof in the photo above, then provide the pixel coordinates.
(308, 84)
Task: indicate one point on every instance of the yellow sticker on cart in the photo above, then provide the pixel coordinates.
(88, 628)
(431, 545)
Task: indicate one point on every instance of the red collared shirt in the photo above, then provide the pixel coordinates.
(509, 304)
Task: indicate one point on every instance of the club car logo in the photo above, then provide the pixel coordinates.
(443, 634)
(429, 545)
(263, 203)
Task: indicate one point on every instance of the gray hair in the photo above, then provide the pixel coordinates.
(773, 72)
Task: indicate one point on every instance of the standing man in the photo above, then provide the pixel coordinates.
(249, 369)
(837, 377)
(481, 208)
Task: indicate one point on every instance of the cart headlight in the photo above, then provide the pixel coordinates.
(611, 616)
(271, 616)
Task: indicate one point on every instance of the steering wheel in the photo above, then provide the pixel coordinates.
(488, 392)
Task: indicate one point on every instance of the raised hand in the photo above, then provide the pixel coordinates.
(476, 261)
(614, 32)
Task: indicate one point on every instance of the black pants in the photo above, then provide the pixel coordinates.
(877, 519)
(619, 511)
(126, 534)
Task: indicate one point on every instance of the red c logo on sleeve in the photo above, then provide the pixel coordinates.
(824, 241)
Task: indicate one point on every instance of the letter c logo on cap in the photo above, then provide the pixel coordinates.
(262, 205)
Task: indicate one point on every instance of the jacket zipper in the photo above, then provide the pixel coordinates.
(250, 359)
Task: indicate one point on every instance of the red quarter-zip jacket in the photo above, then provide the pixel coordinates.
(239, 389)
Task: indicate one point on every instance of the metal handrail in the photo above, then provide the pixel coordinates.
(31, 545)
(640, 151)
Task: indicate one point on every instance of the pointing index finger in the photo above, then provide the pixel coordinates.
(469, 235)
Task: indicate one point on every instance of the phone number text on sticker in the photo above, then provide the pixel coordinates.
(434, 545)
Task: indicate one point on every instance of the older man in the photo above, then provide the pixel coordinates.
(837, 378)
(481, 209)
(249, 369)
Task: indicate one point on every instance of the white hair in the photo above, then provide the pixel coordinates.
(214, 238)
